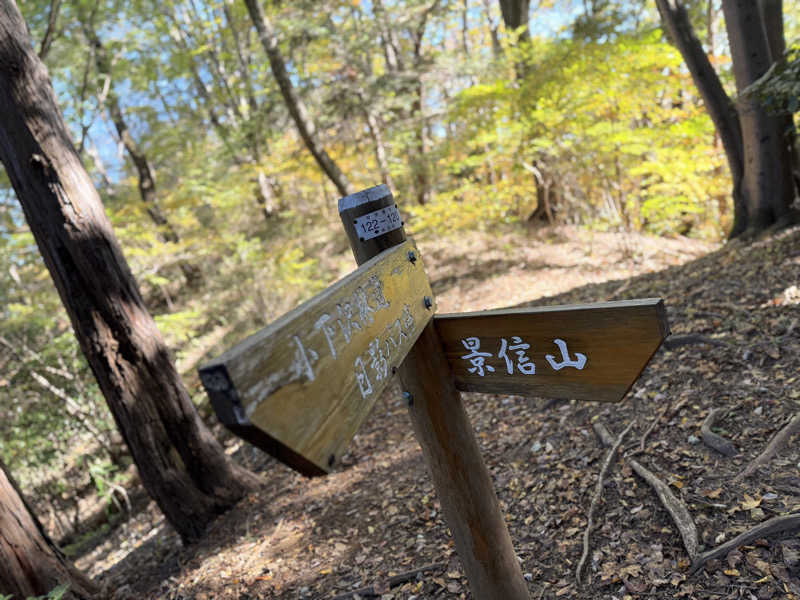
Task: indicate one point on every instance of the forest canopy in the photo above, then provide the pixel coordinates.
(587, 116)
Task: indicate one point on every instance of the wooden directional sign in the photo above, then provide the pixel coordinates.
(300, 388)
(586, 352)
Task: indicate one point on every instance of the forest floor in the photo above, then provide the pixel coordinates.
(373, 528)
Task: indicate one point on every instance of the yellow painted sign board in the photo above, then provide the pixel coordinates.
(300, 388)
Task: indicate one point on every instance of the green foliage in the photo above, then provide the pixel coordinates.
(55, 594)
(779, 88)
(599, 117)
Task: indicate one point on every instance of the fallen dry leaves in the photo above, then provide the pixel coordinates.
(377, 517)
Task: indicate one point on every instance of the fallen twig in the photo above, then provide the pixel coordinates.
(394, 581)
(675, 507)
(713, 440)
(788, 430)
(674, 341)
(783, 524)
(651, 427)
(598, 492)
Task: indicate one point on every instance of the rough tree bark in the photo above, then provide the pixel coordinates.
(295, 106)
(515, 15)
(719, 106)
(769, 189)
(30, 563)
(758, 160)
(180, 463)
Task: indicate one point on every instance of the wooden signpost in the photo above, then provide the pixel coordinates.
(300, 388)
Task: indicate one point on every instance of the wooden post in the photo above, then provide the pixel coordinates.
(441, 425)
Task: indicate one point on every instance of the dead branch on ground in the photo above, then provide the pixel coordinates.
(598, 493)
(394, 581)
(674, 341)
(775, 444)
(675, 507)
(651, 427)
(783, 524)
(713, 440)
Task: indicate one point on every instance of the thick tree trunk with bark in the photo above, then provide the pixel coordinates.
(768, 184)
(515, 15)
(30, 564)
(295, 106)
(181, 465)
(719, 106)
(755, 143)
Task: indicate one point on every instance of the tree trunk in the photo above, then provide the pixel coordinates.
(30, 563)
(497, 48)
(768, 184)
(147, 180)
(376, 133)
(772, 15)
(515, 15)
(180, 463)
(419, 165)
(719, 106)
(296, 107)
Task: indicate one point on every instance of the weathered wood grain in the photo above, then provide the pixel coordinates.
(617, 340)
(444, 432)
(300, 388)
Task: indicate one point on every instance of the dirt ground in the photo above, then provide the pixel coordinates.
(373, 528)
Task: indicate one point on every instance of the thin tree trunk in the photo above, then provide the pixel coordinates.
(30, 563)
(465, 28)
(297, 109)
(376, 133)
(719, 106)
(147, 180)
(767, 165)
(50, 33)
(497, 49)
(180, 463)
(419, 166)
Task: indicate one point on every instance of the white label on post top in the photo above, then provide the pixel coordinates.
(378, 222)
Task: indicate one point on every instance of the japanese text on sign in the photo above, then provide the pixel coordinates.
(518, 348)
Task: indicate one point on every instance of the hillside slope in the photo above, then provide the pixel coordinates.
(735, 318)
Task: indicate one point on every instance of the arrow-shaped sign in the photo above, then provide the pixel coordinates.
(586, 352)
(300, 388)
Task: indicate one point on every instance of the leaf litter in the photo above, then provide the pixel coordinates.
(374, 529)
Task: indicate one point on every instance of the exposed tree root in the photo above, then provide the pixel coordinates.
(675, 507)
(713, 440)
(775, 444)
(652, 426)
(674, 341)
(783, 524)
(598, 493)
(394, 581)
